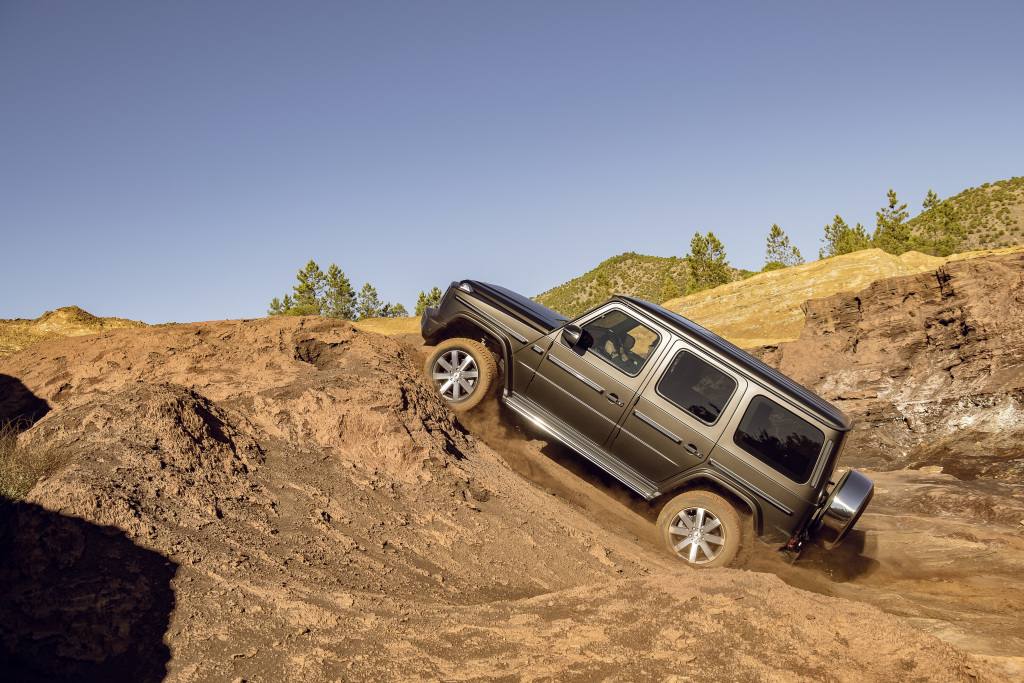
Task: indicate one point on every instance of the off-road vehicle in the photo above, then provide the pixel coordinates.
(663, 405)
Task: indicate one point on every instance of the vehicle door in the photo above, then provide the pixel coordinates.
(588, 385)
(780, 452)
(680, 414)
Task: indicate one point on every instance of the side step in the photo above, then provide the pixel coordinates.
(581, 444)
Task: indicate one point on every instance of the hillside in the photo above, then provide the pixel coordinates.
(69, 321)
(985, 217)
(768, 308)
(648, 277)
(286, 498)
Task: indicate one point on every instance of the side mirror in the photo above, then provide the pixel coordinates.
(571, 334)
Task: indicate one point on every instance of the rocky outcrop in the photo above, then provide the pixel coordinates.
(931, 366)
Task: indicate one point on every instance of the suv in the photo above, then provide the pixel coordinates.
(663, 405)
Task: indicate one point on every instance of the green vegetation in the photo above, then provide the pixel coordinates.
(708, 264)
(840, 238)
(989, 216)
(985, 217)
(428, 300)
(646, 277)
(891, 231)
(779, 252)
(331, 295)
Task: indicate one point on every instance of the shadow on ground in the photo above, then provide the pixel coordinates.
(79, 601)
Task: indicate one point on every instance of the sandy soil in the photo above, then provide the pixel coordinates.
(286, 499)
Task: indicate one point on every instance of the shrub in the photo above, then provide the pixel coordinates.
(21, 467)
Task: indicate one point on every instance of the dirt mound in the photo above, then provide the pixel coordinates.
(285, 498)
(69, 321)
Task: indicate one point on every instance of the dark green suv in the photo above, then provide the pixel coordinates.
(663, 405)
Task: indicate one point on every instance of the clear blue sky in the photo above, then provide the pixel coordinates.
(181, 160)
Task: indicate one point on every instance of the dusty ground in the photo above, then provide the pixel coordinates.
(285, 499)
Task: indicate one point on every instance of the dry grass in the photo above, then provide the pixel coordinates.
(767, 308)
(20, 466)
(390, 326)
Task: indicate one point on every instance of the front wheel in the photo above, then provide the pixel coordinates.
(463, 372)
(702, 528)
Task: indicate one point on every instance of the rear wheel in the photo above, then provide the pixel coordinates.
(702, 528)
(463, 372)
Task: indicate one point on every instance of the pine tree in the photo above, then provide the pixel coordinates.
(368, 303)
(891, 231)
(840, 238)
(780, 253)
(940, 233)
(339, 299)
(276, 307)
(394, 311)
(708, 264)
(308, 297)
(428, 300)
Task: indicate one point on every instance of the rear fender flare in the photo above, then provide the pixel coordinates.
(694, 479)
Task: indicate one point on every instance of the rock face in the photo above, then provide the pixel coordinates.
(287, 499)
(929, 365)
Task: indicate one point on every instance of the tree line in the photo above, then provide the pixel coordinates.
(709, 266)
(330, 294)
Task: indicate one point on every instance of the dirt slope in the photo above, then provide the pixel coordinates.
(929, 365)
(284, 498)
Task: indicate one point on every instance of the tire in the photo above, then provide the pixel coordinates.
(482, 364)
(679, 516)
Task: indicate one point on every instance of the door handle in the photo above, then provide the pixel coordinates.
(612, 398)
(692, 450)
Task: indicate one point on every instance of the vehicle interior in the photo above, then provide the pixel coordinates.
(620, 340)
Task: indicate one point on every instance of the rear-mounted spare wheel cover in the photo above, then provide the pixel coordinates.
(844, 507)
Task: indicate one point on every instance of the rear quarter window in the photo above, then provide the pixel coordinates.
(779, 438)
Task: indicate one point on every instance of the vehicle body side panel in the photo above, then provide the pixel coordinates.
(659, 439)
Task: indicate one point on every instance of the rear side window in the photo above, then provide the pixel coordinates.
(779, 438)
(697, 387)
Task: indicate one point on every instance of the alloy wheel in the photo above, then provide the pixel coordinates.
(697, 535)
(455, 374)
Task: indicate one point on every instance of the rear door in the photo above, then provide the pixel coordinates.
(679, 415)
(589, 386)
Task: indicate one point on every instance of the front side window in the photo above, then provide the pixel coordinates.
(696, 386)
(779, 438)
(620, 340)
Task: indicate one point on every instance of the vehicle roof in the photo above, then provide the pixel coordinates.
(828, 413)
